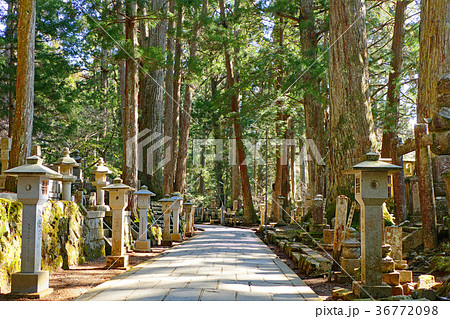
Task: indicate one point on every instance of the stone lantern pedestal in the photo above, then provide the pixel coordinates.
(188, 209)
(371, 190)
(66, 165)
(143, 244)
(176, 209)
(100, 171)
(166, 204)
(118, 200)
(32, 192)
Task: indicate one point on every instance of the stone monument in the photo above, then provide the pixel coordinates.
(100, 171)
(176, 210)
(118, 200)
(350, 260)
(318, 224)
(371, 190)
(143, 244)
(66, 165)
(32, 192)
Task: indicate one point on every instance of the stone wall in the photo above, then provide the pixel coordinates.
(10, 238)
(68, 237)
(94, 243)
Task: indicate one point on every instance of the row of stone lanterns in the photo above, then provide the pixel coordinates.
(33, 192)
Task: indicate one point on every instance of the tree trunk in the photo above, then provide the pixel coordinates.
(23, 117)
(168, 107)
(249, 211)
(10, 60)
(314, 111)
(278, 38)
(130, 112)
(177, 89)
(180, 178)
(393, 93)
(153, 105)
(434, 60)
(351, 122)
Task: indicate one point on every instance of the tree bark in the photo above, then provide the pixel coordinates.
(153, 104)
(10, 60)
(23, 117)
(393, 94)
(177, 88)
(351, 121)
(249, 211)
(427, 200)
(314, 111)
(180, 178)
(168, 106)
(434, 60)
(130, 112)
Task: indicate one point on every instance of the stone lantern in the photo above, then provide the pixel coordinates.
(66, 165)
(143, 201)
(166, 203)
(371, 190)
(176, 208)
(280, 201)
(118, 200)
(100, 172)
(32, 192)
(262, 209)
(188, 209)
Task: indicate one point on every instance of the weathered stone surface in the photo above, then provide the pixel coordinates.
(393, 237)
(328, 235)
(343, 294)
(313, 264)
(387, 265)
(413, 240)
(408, 288)
(425, 282)
(429, 294)
(405, 276)
(372, 291)
(392, 278)
(397, 290)
(339, 225)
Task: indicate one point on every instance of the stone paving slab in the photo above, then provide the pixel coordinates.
(219, 264)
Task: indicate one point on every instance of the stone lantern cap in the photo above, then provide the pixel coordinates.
(66, 160)
(372, 163)
(100, 167)
(144, 191)
(117, 185)
(176, 197)
(281, 197)
(188, 203)
(167, 198)
(33, 167)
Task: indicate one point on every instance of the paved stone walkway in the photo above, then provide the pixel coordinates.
(218, 264)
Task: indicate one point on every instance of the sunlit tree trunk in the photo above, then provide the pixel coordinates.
(351, 121)
(249, 211)
(434, 60)
(23, 117)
